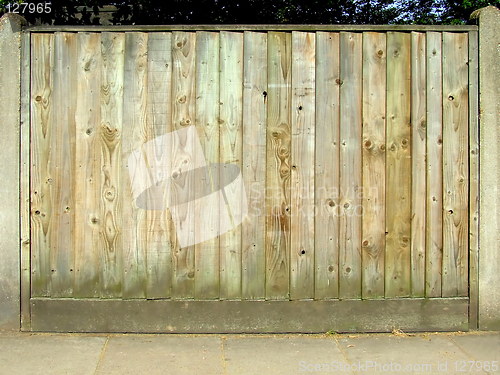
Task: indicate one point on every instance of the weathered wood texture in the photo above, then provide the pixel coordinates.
(302, 158)
(87, 181)
(162, 316)
(373, 221)
(357, 150)
(455, 165)
(134, 229)
(398, 174)
(41, 131)
(63, 163)
(158, 115)
(207, 255)
(183, 115)
(351, 125)
(418, 167)
(113, 60)
(434, 199)
(326, 194)
(278, 167)
(231, 151)
(253, 252)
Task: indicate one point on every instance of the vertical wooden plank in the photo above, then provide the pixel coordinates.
(434, 200)
(398, 164)
(455, 164)
(113, 61)
(473, 180)
(25, 182)
(183, 113)
(41, 133)
(279, 65)
(231, 151)
(326, 197)
(253, 257)
(207, 123)
(87, 180)
(302, 184)
(418, 168)
(373, 220)
(134, 135)
(62, 163)
(351, 72)
(159, 122)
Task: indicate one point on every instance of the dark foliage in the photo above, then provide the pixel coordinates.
(140, 12)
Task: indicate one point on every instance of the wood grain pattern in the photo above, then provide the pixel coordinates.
(473, 180)
(434, 207)
(62, 162)
(207, 255)
(455, 164)
(326, 196)
(25, 205)
(398, 164)
(351, 73)
(41, 188)
(87, 181)
(112, 74)
(183, 114)
(302, 179)
(253, 255)
(231, 151)
(418, 159)
(159, 122)
(354, 149)
(134, 135)
(279, 47)
(373, 220)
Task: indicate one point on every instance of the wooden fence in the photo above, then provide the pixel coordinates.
(358, 152)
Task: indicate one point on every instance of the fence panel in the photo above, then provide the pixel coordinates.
(353, 149)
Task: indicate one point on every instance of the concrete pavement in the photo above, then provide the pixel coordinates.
(88, 354)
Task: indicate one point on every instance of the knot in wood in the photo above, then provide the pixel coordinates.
(176, 175)
(185, 122)
(283, 151)
(284, 172)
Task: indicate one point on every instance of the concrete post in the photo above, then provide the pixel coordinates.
(10, 93)
(489, 162)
